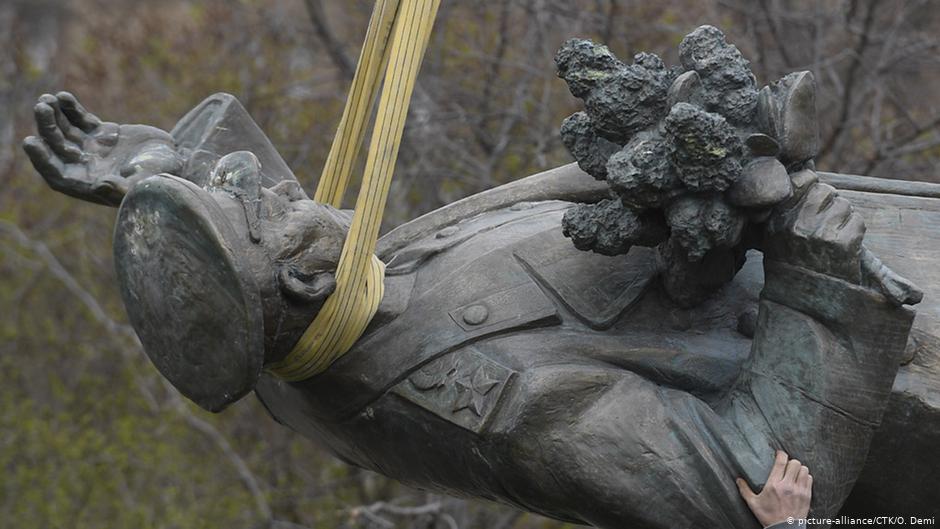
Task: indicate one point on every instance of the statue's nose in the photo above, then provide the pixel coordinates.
(239, 175)
(239, 169)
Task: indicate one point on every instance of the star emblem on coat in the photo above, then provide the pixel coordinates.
(463, 387)
(472, 390)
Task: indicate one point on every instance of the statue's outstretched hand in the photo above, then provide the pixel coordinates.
(81, 156)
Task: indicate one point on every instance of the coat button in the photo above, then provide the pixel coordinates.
(475, 314)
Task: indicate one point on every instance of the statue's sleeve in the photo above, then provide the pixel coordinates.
(822, 365)
(614, 449)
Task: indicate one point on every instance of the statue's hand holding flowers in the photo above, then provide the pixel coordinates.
(703, 166)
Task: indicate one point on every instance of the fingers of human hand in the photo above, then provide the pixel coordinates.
(44, 161)
(76, 113)
(792, 470)
(50, 132)
(780, 465)
(71, 132)
(746, 493)
(822, 233)
(804, 490)
(802, 475)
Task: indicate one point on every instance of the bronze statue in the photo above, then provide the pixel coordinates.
(728, 309)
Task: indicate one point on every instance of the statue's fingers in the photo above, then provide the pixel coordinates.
(44, 161)
(804, 218)
(112, 188)
(898, 289)
(838, 222)
(76, 113)
(71, 132)
(801, 182)
(901, 290)
(53, 136)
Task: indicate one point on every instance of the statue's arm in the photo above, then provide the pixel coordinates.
(832, 330)
(84, 157)
(610, 448)
(615, 449)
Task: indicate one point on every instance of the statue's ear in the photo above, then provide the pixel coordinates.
(290, 189)
(314, 288)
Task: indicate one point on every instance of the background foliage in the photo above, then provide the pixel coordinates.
(90, 436)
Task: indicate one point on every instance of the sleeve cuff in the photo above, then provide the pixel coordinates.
(825, 297)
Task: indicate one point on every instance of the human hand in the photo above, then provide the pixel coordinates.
(81, 156)
(785, 496)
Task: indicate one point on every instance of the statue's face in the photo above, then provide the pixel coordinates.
(304, 240)
(222, 279)
(291, 244)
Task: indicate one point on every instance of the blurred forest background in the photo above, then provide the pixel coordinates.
(90, 436)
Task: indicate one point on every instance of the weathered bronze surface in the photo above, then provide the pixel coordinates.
(624, 388)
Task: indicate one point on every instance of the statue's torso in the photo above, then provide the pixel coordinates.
(492, 299)
(411, 419)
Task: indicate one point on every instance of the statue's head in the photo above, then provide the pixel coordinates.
(218, 280)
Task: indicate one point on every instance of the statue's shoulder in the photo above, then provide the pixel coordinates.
(524, 243)
(566, 183)
(461, 239)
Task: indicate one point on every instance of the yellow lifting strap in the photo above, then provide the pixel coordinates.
(397, 38)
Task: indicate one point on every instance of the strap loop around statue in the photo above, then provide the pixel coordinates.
(362, 94)
(360, 274)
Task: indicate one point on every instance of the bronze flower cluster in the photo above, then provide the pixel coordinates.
(692, 154)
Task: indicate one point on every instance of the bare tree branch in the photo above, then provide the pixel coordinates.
(334, 47)
(850, 80)
(127, 335)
